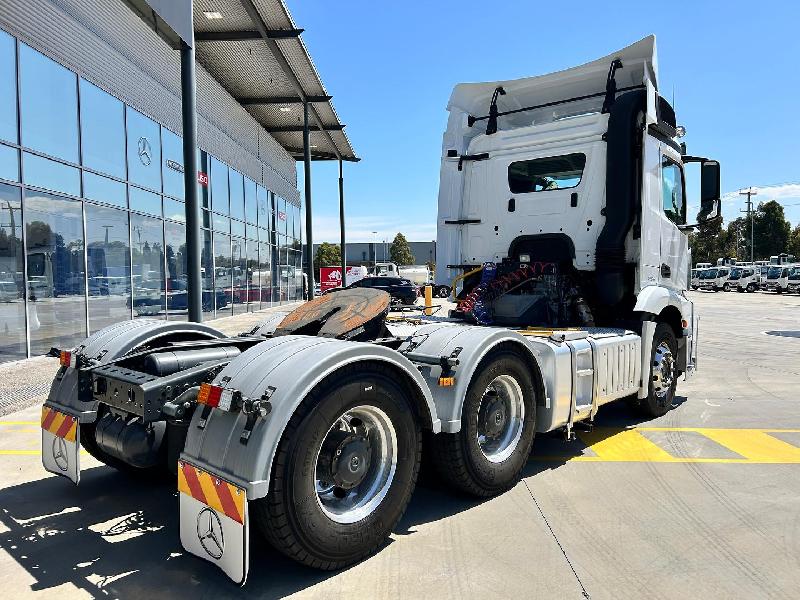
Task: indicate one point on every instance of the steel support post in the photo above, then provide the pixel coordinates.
(341, 224)
(307, 185)
(193, 217)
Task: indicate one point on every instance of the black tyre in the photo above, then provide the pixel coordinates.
(779, 290)
(498, 424)
(726, 287)
(751, 288)
(344, 470)
(443, 291)
(663, 372)
(740, 290)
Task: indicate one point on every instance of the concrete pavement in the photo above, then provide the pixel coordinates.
(703, 502)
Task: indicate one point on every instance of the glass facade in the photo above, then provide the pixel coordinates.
(92, 219)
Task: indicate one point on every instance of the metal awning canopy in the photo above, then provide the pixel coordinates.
(254, 50)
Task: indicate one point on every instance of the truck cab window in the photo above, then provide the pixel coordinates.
(544, 174)
(672, 191)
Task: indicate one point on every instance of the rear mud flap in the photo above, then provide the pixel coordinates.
(214, 520)
(61, 444)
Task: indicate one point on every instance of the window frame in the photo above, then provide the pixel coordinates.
(544, 158)
(665, 158)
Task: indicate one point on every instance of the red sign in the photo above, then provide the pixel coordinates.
(282, 215)
(330, 277)
(202, 178)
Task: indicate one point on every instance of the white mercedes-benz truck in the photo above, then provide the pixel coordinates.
(562, 211)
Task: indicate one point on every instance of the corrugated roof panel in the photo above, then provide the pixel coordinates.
(249, 69)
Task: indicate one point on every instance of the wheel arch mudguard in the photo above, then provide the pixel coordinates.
(475, 343)
(288, 368)
(657, 303)
(108, 344)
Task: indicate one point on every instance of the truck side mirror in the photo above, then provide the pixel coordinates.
(710, 203)
(710, 190)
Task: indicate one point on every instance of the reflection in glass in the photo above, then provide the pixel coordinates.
(172, 150)
(219, 187)
(265, 273)
(56, 310)
(207, 271)
(239, 275)
(237, 228)
(237, 194)
(175, 210)
(102, 130)
(9, 163)
(49, 100)
(8, 89)
(250, 202)
(107, 266)
(264, 213)
(144, 201)
(103, 189)
(51, 175)
(203, 179)
(221, 224)
(253, 277)
(177, 278)
(12, 283)
(144, 150)
(147, 239)
(223, 272)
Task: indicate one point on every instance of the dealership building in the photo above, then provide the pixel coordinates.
(93, 202)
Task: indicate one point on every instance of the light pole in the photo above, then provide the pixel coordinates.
(749, 193)
(375, 251)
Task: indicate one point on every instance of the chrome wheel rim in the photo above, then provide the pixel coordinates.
(501, 414)
(355, 464)
(663, 371)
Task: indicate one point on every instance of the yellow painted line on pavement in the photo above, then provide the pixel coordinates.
(755, 445)
(628, 445)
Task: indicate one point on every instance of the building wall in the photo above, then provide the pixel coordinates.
(106, 43)
(91, 185)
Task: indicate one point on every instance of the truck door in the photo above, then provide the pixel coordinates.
(664, 247)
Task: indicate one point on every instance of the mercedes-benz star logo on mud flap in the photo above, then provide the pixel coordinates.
(209, 532)
(60, 453)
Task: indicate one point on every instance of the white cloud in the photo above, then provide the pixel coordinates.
(359, 229)
(778, 191)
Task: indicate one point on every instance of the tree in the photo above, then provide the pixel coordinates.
(771, 230)
(400, 251)
(794, 242)
(327, 255)
(706, 242)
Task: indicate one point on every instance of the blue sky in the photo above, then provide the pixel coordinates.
(390, 67)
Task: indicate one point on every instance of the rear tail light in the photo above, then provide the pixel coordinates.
(67, 358)
(215, 396)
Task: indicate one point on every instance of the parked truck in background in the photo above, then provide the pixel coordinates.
(715, 279)
(777, 278)
(793, 280)
(745, 279)
(562, 219)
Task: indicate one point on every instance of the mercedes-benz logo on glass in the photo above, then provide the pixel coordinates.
(145, 151)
